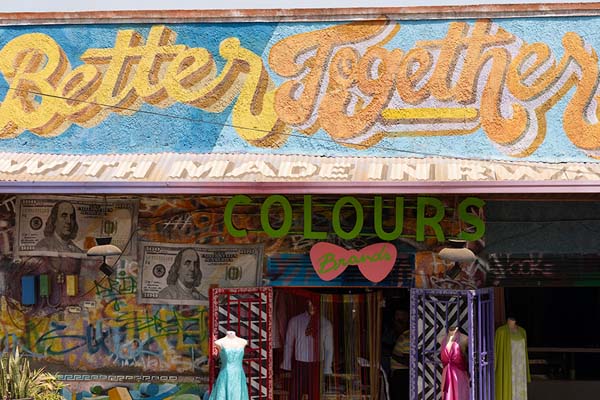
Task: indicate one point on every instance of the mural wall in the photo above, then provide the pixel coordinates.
(504, 89)
(477, 89)
(103, 336)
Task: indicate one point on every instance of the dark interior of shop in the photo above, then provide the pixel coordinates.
(562, 327)
(346, 321)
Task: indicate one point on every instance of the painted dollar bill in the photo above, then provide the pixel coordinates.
(182, 273)
(68, 226)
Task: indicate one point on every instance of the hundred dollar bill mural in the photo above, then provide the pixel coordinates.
(499, 89)
(106, 342)
(104, 329)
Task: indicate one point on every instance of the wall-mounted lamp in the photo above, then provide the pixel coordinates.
(457, 252)
(104, 249)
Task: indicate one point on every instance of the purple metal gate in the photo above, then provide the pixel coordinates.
(431, 312)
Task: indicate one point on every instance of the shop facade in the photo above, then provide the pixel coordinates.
(324, 160)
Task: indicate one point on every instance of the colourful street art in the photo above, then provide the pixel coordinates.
(128, 391)
(104, 328)
(106, 345)
(115, 334)
(449, 88)
(473, 90)
(431, 272)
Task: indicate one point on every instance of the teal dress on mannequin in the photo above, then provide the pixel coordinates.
(231, 382)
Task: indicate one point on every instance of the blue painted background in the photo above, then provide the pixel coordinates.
(182, 128)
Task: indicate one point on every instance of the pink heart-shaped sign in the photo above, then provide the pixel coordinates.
(379, 261)
(375, 261)
(325, 260)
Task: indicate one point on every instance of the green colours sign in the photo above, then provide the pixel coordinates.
(430, 212)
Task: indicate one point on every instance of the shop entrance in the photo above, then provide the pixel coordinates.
(433, 315)
(326, 344)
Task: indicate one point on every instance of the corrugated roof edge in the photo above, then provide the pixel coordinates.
(303, 14)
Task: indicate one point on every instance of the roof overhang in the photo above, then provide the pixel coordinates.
(541, 9)
(269, 173)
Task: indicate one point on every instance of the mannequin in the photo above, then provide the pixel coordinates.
(231, 382)
(511, 363)
(308, 347)
(230, 340)
(455, 376)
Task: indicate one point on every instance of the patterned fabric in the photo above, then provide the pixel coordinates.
(313, 326)
(231, 382)
(519, 374)
(455, 378)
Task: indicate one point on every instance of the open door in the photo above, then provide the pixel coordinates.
(247, 311)
(432, 311)
(482, 343)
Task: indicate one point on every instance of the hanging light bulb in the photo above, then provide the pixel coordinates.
(104, 249)
(457, 250)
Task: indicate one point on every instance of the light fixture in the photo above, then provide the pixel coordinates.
(457, 252)
(104, 249)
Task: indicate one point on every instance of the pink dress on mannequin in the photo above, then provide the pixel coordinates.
(455, 378)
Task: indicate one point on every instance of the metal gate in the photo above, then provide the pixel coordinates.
(247, 311)
(432, 311)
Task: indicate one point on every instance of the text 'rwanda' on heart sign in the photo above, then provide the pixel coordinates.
(375, 261)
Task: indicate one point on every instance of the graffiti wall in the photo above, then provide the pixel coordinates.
(103, 329)
(497, 89)
(134, 391)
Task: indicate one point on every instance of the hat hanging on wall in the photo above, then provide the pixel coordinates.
(457, 252)
(104, 249)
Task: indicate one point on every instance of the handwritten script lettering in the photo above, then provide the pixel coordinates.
(345, 79)
(374, 261)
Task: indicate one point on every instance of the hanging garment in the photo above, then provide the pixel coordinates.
(519, 376)
(231, 382)
(455, 378)
(511, 363)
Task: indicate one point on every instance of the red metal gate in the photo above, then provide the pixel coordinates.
(247, 311)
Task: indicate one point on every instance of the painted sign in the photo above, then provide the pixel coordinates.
(375, 261)
(430, 212)
(173, 167)
(297, 270)
(369, 88)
